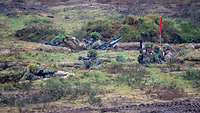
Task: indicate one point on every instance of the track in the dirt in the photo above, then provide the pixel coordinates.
(179, 106)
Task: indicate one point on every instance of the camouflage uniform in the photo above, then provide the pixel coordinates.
(168, 55)
(35, 72)
(147, 55)
(91, 59)
(158, 55)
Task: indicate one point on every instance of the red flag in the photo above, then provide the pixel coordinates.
(161, 25)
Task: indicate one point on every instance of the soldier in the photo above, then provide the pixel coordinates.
(91, 59)
(147, 55)
(158, 55)
(167, 51)
(35, 72)
(73, 43)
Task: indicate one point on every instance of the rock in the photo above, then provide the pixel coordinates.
(61, 73)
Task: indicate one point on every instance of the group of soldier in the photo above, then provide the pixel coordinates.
(154, 54)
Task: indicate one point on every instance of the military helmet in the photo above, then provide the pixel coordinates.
(148, 45)
(167, 47)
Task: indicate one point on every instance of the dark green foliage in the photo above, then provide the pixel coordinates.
(95, 35)
(194, 76)
(129, 34)
(134, 28)
(102, 29)
(121, 59)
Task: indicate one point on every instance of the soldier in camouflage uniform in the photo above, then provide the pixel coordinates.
(91, 59)
(147, 54)
(158, 55)
(35, 72)
(167, 51)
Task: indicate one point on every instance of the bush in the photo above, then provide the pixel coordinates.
(129, 34)
(13, 74)
(194, 76)
(146, 28)
(121, 59)
(95, 35)
(57, 88)
(94, 100)
(102, 29)
(132, 75)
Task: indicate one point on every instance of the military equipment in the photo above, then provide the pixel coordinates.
(109, 45)
(90, 61)
(35, 72)
(89, 42)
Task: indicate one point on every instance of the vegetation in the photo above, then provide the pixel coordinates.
(119, 77)
(146, 28)
(193, 75)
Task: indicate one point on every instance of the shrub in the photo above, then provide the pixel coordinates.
(94, 100)
(129, 34)
(194, 76)
(146, 28)
(95, 35)
(57, 88)
(132, 75)
(121, 59)
(103, 29)
(11, 74)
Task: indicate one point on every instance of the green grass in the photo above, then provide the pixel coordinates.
(47, 58)
(80, 16)
(158, 78)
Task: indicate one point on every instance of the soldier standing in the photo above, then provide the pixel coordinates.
(147, 55)
(167, 51)
(158, 55)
